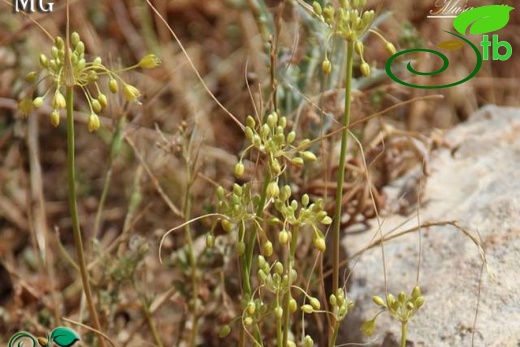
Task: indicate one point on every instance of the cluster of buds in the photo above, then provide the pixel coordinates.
(349, 22)
(401, 308)
(67, 67)
(270, 139)
(299, 214)
(340, 304)
(238, 208)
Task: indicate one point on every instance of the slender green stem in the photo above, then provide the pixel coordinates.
(341, 176)
(404, 331)
(71, 182)
(191, 252)
(335, 330)
(287, 298)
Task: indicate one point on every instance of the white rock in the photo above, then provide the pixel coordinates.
(477, 184)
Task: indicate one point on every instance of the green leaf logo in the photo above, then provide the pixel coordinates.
(483, 19)
(64, 337)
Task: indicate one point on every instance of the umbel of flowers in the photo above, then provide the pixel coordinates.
(67, 67)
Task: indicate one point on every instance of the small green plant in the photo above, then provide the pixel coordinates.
(402, 308)
(246, 216)
(66, 69)
(349, 22)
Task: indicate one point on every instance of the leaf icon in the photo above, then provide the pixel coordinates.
(483, 19)
(64, 337)
(451, 45)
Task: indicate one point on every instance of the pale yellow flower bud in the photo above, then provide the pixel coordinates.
(55, 118)
(149, 61)
(131, 93)
(59, 101)
(113, 86)
(93, 122)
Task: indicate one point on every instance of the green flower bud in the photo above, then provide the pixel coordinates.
(291, 137)
(268, 248)
(272, 189)
(390, 300)
(305, 200)
(328, 14)
(96, 61)
(149, 61)
(131, 93)
(401, 297)
(74, 38)
(93, 122)
(278, 312)
(308, 156)
(416, 292)
(332, 300)
(319, 244)
(315, 303)
(272, 119)
(390, 48)
(251, 308)
(307, 308)
(378, 301)
(365, 69)
(316, 7)
(54, 52)
(55, 118)
(308, 341)
(298, 161)
(96, 105)
(113, 86)
(224, 331)
(220, 192)
(358, 46)
(239, 169)
(103, 101)
(59, 100)
(278, 268)
(283, 237)
(81, 64)
(293, 305)
(326, 221)
(38, 102)
(59, 43)
(326, 67)
(226, 225)
(248, 321)
(80, 48)
(249, 133)
(250, 122)
(240, 248)
(275, 167)
(282, 122)
(44, 62)
(210, 240)
(419, 301)
(31, 76)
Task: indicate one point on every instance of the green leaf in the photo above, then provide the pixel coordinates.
(451, 45)
(483, 19)
(64, 337)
